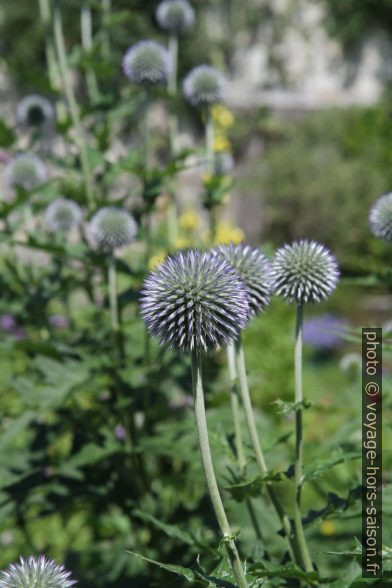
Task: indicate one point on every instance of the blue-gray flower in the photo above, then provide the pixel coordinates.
(195, 301)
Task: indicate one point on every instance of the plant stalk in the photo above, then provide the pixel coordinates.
(72, 104)
(235, 409)
(293, 549)
(86, 30)
(44, 8)
(202, 430)
(172, 211)
(238, 442)
(106, 6)
(112, 278)
(307, 562)
(210, 166)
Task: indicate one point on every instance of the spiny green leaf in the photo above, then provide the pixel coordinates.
(186, 573)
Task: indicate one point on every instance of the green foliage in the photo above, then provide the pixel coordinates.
(319, 178)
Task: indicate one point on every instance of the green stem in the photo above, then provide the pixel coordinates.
(210, 160)
(257, 448)
(239, 446)
(112, 278)
(106, 6)
(44, 8)
(86, 30)
(71, 100)
(146, 163)
(307, 562)
(172, 211)
(202, 430)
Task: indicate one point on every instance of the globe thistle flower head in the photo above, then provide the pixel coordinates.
(304, 271)
(175, 16)
(254, 270)
(380, 218)
(63, 214)
(194, 301)
(34, 111)
(35, 573)
(25, 170)
(204, 86)
(112, 228)
(147, 63)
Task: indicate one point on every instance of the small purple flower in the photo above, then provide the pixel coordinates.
(58, 321)
(120, 433)
(324, 331)
(7, 322)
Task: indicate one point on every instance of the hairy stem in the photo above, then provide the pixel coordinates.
(86, 29)
(202, 430)
(72, 104)
(307, 562)
(257, 448)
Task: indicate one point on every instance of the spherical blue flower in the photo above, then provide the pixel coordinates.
(112, 228)
(204, 86)
(35, 573)
(147, 63)
(175, 16)
(25, 170)
(380, 218)
(254, 269)
(304, 271)
(194, 302)
(34, 111)
(63, 214)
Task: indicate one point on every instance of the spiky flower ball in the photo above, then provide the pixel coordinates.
(380, 218)
(35, 573)
(304, 271)
(204, 86)
(112, 228)
(254, 269)
(175, 16)
(194, 301)
(34, 111)
(147, 63)
(63, 214)
(25, 170)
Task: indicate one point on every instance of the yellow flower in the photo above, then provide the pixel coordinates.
(221, 143)
(222, 116)
(182, 243)
(189, 220)
(327, 528)
(226, 233)
(157, 259)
